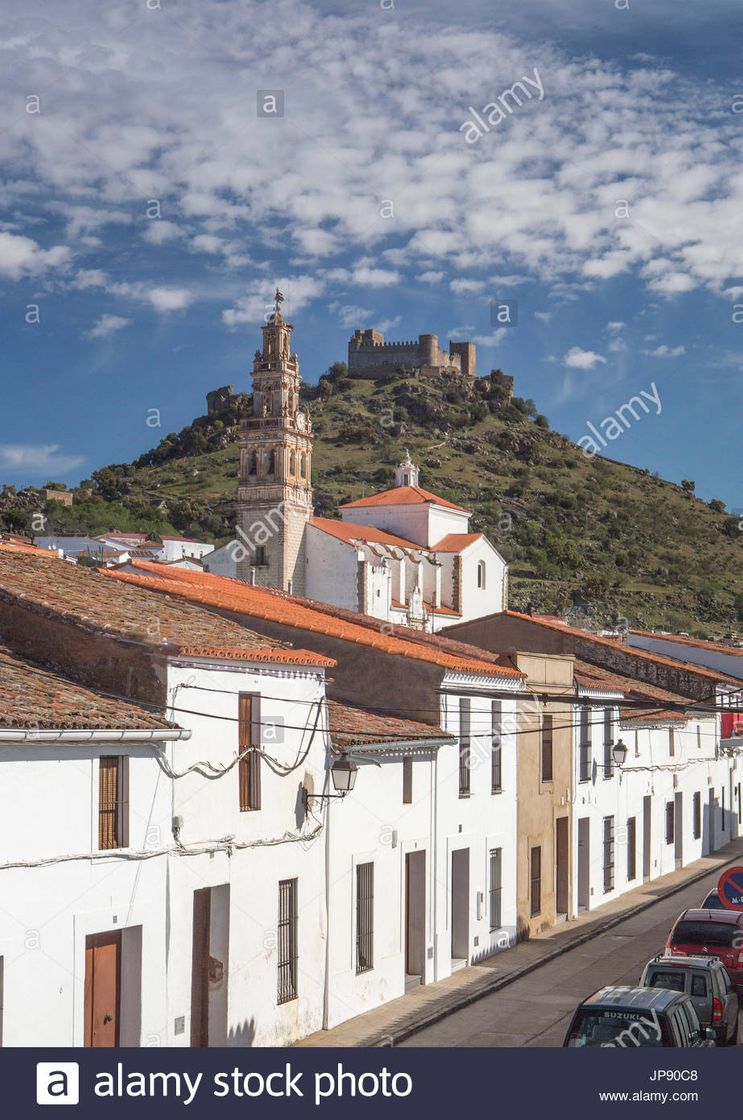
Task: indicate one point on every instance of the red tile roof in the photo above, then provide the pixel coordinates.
(634, 651)
(348, 531)
(700, 643)
(352, 726)
(39, 581)
(589, 677)
(456, 542)
(304, 614)
(33, 698)
(402, 496)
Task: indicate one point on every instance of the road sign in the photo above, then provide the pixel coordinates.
(730, 888)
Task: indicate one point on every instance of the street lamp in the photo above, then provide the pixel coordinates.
(619, 752)
(343, 773)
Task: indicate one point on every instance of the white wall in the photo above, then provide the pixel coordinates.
(177, 549)
(729, 663)
(210, 811)
(424, 523)
(652, 771)
(48, 809)
(332, 569)
(221, 562)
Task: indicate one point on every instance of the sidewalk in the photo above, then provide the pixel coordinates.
(394, 1021)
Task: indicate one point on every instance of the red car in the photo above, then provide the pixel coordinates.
(710, 933)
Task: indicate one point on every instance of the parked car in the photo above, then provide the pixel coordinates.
(710, 933)
(713, 901)
(706, 982)
(626, 1017)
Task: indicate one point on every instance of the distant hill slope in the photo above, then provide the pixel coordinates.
(594, 537)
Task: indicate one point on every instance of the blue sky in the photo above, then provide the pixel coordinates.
(148, 212)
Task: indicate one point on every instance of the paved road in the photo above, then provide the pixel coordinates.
(536, 1010)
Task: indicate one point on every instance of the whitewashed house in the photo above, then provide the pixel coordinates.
(182, 880)
(676, 798)
(407, 556)
(451, 836)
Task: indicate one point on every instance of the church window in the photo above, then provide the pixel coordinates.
(303, 465)
(292, 463)
(272, 462)
(260, 556)
(252, 463)
(481, 574)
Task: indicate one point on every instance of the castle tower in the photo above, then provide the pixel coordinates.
(274, 498)
(406, 474)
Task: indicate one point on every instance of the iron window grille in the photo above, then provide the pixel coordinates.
(496, 888)
(670, 830)
(631, 849)
(535, 892)
(496, 749)
(697, 815)
(608, 743)
(287, 936)
(547, 723)
(364, 917)
(608, 854)
(464, 747)
(584, 747)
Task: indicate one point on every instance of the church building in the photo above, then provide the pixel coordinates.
(403, 555)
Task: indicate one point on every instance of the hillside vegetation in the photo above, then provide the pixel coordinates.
(591, 537)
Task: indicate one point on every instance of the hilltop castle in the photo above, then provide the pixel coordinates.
(369, 356)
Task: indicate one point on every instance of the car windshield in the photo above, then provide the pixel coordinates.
(673, 981)
(595, 1027)
(712, 902)
(704, 933)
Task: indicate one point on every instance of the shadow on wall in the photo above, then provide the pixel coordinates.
(243, 1034)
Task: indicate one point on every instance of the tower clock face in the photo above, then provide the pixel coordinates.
(301, 421)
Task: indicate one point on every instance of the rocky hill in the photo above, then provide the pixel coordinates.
(593, 538)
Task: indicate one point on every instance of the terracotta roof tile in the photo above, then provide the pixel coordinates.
(701, 643)
(33, 698)
(402, 496)
(348, 531)
(456, 542)
(43, 583)
(612, 643)
(350, 725)
(303, 614)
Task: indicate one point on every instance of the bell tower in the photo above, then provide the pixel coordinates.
(274, 498)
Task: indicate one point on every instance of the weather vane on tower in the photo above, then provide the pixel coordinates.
(279, 299)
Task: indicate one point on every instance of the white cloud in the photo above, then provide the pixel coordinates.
(545, 316)
(467, 287)
(22, 256)
(170, 299)
(374, 277)
(144, 114)
(37, 459)
(665, 351)
(158, 231)
(576, 358)
(298, 290)
(493, 339)
(349, 315)
(107, 324)
(615, 327)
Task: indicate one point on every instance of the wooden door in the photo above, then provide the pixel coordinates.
(102, 988)
(200, 967)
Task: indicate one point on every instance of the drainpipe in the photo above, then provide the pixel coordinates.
(326, 985)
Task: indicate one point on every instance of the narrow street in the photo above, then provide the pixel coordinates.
(536, 1010)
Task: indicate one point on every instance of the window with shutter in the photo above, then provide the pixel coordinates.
(249, 766)
(113, 808)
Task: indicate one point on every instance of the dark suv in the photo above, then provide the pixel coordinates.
(710, 933)
(625, 1017)
(708, 986)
